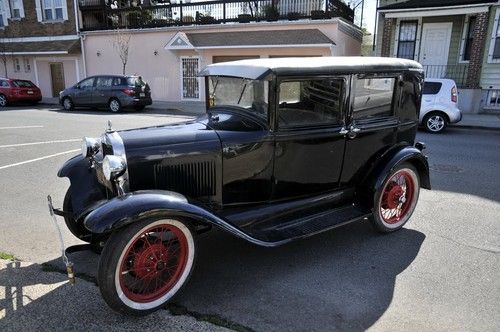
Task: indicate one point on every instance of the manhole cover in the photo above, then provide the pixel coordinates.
(443, 168)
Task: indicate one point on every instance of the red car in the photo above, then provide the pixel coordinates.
(14, 90)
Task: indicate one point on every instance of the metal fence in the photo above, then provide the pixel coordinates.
(102, 16)
(457, 72)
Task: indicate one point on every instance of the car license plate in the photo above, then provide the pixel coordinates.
(142, 94)
(30, 92)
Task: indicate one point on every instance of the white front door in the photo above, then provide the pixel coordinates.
(435, 45)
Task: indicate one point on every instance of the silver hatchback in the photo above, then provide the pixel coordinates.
(113, 92)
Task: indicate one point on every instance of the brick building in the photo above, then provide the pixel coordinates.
(39, 41)
(457, 39)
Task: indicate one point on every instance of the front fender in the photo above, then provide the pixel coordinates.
(132, 207)
(72, 165)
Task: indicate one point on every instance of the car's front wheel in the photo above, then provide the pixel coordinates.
(144, 265)
(68, 104)
(435, 122)
(114, 105)
(396, 199)
(3, 100)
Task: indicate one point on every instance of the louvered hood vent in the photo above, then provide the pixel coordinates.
(194, 179)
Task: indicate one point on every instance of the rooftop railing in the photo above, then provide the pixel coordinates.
(104, 15)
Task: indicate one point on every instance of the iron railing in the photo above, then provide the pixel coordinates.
(99, 15)
(456, 72)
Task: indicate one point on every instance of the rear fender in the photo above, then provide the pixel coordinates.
(85, 189)
(132, 207)
(387, 164)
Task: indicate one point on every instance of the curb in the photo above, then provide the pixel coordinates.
(474, 127)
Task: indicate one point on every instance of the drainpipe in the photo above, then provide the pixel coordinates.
(77, 27)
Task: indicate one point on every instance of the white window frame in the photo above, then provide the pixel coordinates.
(464, 38)
(181, 78)
(17, 65)
(5, 12)
(417, 41)
(40, 11)
(493, 39)
(27, 65)
(12, 8)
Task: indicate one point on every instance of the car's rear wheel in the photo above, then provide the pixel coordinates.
(114, 105)
(3, 100)
(144, 265)
(397, 198)
(68, 104)
(435, 122)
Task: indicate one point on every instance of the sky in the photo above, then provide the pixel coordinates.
(369, 13)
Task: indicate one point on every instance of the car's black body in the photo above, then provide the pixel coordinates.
(243, 174)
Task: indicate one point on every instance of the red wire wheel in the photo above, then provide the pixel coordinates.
(153, 263)
(145, 264)
(397, 199)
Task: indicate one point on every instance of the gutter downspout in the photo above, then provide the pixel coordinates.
(77, 27)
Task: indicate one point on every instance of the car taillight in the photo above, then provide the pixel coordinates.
(129, 92)
(454, 94)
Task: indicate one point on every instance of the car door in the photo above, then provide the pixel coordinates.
(309, 144)
(82, 95)
(372, 124)
(102, 91)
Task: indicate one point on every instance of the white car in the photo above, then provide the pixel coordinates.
(439, 104)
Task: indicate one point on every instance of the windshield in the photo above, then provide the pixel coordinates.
(250, 95)
(22, 84)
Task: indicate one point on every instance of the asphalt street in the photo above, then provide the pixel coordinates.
(441, 272)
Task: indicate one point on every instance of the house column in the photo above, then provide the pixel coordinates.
(389, 24)
(478, 46)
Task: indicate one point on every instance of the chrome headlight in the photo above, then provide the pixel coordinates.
(113, 167)
(90, 146)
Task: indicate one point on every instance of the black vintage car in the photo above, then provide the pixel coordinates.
(288, 148)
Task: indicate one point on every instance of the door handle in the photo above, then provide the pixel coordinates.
(343, 131)
(353, 132)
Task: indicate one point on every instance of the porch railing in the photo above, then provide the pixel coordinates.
(457, 72)
(105, 17)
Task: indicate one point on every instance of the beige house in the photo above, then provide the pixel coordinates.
(169, 50)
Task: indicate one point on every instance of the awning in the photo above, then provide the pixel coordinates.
(250, 39)
(41, 48)
(426, 8)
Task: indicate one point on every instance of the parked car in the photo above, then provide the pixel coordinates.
(288, 148)
(114, 92)
(439, 104)
(16, 90)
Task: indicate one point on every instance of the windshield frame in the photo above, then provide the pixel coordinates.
(234, 107)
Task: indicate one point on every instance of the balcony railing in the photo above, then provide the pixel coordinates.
(98, 15)
(457, 72)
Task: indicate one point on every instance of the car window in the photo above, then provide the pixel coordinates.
(307, 103)
(4, 84)
(117, 81)
(103, 81)
(88, 83)
(23, 84)
(373, 97)
(431, 88)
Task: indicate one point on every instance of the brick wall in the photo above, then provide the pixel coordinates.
(30, 27)
(478, 46)
(389, 25)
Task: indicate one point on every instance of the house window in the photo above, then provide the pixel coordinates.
(27, 65)
(407, 39)
(2, 14)
(190, 80)
(16, 8)
(469, 38)
(17, 65)
(53, 10)
(493, 99)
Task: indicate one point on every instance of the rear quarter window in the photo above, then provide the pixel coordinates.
(373, 98)
(22, 84)
(431, 88)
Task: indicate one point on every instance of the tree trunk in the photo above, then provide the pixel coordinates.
(123, 70)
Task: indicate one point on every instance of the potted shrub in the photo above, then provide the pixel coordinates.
(206, 19)
(244, 18)
(318, 14)
(187, 19)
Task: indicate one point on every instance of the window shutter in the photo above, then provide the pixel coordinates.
(65, 10)
(21, 9)
(39, 15)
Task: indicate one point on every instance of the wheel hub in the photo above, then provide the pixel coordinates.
(150, 261)
(395, 196)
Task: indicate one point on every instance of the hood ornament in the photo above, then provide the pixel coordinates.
(109, 129)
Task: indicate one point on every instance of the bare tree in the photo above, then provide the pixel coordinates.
(121, 43)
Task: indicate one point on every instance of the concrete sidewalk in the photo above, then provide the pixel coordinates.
(33, 299)
(477, 121)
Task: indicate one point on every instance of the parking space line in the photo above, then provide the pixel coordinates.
(21, 127)
(37, 159)
(45, 142)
